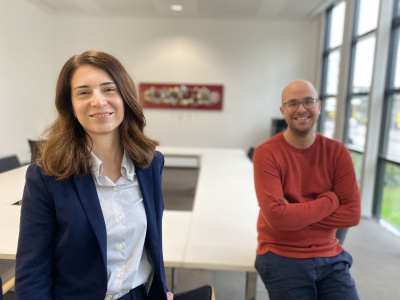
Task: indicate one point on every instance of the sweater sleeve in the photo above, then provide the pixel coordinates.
(346, 188)
(277, 214)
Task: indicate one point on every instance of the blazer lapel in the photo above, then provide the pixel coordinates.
(90, 202)
(145, 178)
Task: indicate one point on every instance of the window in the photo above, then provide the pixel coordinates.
(357, 161)
(390, 210)
(387, 205)
(331, 62)
(362, 61)
(392, 143)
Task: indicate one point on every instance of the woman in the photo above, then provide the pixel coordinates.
(92, 204)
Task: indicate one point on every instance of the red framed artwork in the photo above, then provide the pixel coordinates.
(181, 96)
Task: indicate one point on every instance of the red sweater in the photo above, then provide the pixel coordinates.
(320, 184)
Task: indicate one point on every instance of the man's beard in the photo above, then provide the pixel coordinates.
(300, 132)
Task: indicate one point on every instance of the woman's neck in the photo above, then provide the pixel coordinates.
(109, 150)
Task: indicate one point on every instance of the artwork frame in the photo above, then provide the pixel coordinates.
(181, 96)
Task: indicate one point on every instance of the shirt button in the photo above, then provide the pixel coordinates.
(120, 218)
(118, 276)
(120, 246)
(115, 189)
(109, 297)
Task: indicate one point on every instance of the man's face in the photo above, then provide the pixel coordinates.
(300, 121)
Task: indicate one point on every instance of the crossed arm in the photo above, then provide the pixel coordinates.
(335, 208)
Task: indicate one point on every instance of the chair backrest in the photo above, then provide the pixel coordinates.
(341, 234)
(34, 149)
(202, 293)
(7, 275)
(1, 292)
(250, 153)
(9, 163)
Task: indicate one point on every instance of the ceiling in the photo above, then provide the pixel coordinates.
(239, 9)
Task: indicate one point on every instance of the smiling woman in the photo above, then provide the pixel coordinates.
(96, 102)
(95, 186)
(65, 151)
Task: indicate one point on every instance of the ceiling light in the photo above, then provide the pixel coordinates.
(176, 7)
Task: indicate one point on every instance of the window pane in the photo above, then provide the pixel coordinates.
(357, 126)
(337, 24)
(390, 209)
(396, 61)
(330, 116)
(357, 162)
(332, 75)
(368, 16)
(393, 147)
(398, 8)
(363, 65)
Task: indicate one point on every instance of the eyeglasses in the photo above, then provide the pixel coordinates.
(307, 103)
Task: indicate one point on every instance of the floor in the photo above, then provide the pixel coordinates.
(179, 187)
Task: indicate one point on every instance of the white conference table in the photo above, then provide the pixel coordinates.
(221, 230)
(11, 188)
(218, 234)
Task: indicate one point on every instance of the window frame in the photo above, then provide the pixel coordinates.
(325, 62)
(390, 91)
(350, 94)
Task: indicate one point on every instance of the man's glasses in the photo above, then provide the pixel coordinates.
(307, 103)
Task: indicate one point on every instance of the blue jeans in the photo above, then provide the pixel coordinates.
(318, 278)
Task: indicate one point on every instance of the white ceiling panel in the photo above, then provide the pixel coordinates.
(246, 9)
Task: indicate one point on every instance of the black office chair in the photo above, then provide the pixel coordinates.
(250, 153)
(202, 293)
(34, 149)
(341, 234)
(7, 273)
(9, 163)
(1, 292)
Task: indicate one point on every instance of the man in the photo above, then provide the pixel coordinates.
(306, 189)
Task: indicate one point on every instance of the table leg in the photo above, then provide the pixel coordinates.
(174, 279)
(251, 282)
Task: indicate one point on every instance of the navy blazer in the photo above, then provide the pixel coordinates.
(63, 241)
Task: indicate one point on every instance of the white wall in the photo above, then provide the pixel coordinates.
(254, 60)
(26, 81)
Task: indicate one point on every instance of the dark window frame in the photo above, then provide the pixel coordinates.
(325, 56)
(350, 94)
(390, 91)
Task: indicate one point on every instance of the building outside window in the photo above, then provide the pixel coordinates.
(331, 61)
(360, 78)
(387, 206)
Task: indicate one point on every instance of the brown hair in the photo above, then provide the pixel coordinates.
(63, 150)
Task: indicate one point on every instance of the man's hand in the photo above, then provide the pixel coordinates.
(170, 296)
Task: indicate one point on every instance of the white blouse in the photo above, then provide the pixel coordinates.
(125, 217)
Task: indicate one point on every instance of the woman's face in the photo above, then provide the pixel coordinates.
(96, 101)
